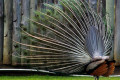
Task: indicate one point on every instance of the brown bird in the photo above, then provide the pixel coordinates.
(73, 40)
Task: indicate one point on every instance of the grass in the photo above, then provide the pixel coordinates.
(38, 77)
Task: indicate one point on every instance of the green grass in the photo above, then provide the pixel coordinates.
(37, 77)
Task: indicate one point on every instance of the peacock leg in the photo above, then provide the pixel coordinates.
(97, 77)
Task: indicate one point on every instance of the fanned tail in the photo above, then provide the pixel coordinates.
(67, 30)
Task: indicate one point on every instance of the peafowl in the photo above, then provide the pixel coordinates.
(70, 38)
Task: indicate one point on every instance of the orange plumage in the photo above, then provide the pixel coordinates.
(111, 68)
(105, 69)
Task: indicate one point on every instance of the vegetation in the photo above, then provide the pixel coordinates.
(37, 77)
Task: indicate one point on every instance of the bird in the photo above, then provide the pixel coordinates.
(70, 38)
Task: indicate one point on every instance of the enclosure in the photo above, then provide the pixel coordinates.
(16, 13)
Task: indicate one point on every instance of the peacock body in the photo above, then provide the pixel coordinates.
(74, 41)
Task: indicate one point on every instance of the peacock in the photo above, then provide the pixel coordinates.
(69, 38)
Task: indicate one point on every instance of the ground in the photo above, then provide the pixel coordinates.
(8, 75)
(38, 77)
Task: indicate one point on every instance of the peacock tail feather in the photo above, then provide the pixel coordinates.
(66, 37)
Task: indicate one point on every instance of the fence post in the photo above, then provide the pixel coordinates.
(8, 25)
(26, 25)
(1, 29)
(33, 8)
(117, 33)
(110, 12)
(110, 18)
(16, 30)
